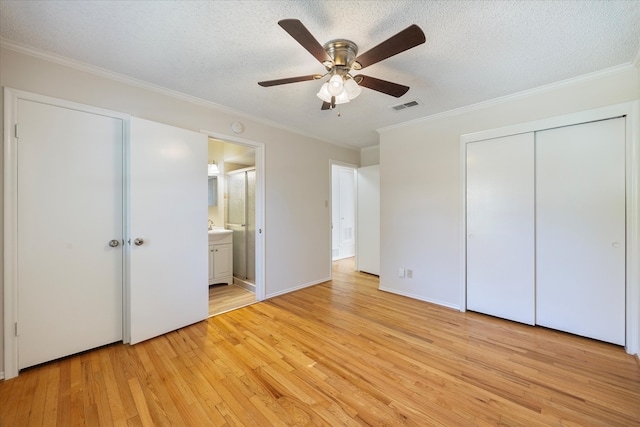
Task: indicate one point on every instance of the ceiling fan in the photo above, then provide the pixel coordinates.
(340, 58)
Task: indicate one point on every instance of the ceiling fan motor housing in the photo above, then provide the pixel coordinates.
(343, 53)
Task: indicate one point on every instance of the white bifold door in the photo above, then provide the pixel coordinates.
(89, 229)
(500, 227)
(546, 228)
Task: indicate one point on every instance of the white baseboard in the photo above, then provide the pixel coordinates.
(296, 288)
(420, 297)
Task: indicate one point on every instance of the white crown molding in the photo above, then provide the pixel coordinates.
(516, 96)
(101, 72)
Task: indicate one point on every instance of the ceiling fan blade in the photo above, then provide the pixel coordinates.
(406, 39)
(390, 88)
(325, 106)
(287, 80)
(300, 33)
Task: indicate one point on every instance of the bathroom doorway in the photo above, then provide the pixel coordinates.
(239, 210)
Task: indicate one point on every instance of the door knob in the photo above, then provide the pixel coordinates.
(138, 242)
(114, 243)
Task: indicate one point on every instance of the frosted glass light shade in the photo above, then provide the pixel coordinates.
(352, 89)
(324, 93)
(213, 169)
(336, 85)
(342, 98)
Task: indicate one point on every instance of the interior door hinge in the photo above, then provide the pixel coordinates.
(16, 328)
(16, 130)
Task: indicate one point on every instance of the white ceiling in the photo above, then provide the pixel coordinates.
(219, 50)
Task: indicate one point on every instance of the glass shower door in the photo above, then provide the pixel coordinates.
(236, 221)
(241, 213)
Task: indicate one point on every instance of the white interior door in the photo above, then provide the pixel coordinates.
(69, 209)
(368, 212)
(168, 271)
(580, 231)
(500, 227)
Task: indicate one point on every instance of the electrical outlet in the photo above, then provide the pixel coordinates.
(409, 274)
(401, 272)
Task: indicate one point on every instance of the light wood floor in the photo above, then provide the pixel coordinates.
(340, 353)
(223, 298)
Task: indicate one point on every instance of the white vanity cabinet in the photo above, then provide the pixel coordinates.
(220, 257)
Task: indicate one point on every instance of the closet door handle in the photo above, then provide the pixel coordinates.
(114, 243)
(138, 242)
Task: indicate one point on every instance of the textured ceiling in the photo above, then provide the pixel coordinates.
(219, 50)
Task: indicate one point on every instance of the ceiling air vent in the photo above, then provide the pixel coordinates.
(406, 105)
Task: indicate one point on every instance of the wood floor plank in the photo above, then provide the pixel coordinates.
(338, 353)
(223, 298)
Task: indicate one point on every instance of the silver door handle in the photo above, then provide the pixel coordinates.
(114, 243)
(138, 242)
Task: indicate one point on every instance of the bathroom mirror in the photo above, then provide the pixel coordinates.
(213, 191)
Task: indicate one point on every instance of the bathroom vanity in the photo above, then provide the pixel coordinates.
(220, 256)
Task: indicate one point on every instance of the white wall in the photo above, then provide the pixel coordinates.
(420, 179)
(297, 177)
(370, 156)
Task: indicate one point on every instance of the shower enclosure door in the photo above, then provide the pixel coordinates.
(241, 213)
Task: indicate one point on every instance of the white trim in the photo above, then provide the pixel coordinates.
(10, 233)
(11, 97)
(463, 226)
(636, 59)
(101, 72)
(420, 298)
(297, 288)
(260, 205)
(632, 112)
(514, 96)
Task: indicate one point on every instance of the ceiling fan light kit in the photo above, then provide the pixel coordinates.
(340, 57)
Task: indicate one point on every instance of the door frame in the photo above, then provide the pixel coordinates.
(333, 163)
(10, 227)
(631, 110)
(261, 230)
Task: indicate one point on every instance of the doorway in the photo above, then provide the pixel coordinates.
(343, 211)
(238, 209)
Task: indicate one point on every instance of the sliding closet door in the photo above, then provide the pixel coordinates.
(500, 227)
(580, 229)
(168, 255)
